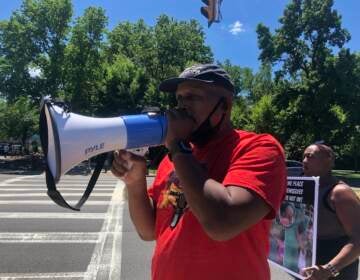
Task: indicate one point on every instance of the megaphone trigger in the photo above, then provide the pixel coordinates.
(139, 151)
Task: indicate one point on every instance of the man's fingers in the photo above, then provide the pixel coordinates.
(120, 165)
(120, 155)
(117, 173)
(118, 170)
(122, 168)
(131, 157)
(309, 271)
(126, 158)
(124, 161)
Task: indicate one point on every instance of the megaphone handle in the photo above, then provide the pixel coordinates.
(56, 196)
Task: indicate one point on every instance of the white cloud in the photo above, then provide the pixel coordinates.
(236, 28)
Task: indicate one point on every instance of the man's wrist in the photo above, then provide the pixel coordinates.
(334, 272)
(137, 186)
(178, 147)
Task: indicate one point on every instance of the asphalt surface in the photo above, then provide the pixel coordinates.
(40, 240)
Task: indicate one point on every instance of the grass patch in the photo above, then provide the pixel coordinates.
(350, 177)
(348, 174)
(357, 191)
(152, 172)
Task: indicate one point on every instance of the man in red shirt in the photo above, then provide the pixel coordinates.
(215, 194)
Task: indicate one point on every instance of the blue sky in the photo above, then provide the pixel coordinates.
(233, 38)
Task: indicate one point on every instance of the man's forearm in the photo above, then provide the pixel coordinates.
(223, 212)
(141, 210)
(348, 254)
(193, 180)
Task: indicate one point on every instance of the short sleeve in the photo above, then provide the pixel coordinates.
(160, 178)
(260, 167)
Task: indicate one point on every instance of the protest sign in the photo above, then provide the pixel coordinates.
(294, 230)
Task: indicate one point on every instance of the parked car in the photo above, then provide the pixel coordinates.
(4, 149)
(16, 150)
(294, 168)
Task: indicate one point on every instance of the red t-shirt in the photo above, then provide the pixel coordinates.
(239, 158)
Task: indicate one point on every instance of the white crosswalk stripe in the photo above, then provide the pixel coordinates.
(43, 194)
(14, 189)
(50, 202)
(67, 275)
(49, 237)
(36, 215)
(61, 185)
(106, 258)
(30, 191)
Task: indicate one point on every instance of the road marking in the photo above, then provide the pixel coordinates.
(57, 186)
(35, 215)
(70, 181)
(50, 202)
(115, 268)
(63, 275)
(43, 194)
(12, 180)
(106, 259)
(74, 178)
(39, 178)
(49, 237)
(44, 189)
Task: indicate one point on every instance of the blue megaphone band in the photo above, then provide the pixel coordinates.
(145, 130)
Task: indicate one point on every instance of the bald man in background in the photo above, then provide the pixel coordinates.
(338, 241)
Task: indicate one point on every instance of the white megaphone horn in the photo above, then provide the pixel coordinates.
(68, 139)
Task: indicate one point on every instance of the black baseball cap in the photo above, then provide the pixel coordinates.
(205, 73)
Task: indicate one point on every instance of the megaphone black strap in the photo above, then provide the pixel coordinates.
(56, 196)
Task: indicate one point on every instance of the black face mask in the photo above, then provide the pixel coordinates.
(205, 131)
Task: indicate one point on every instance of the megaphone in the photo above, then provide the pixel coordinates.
(68, 138)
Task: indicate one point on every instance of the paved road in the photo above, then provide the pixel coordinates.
(40, 240)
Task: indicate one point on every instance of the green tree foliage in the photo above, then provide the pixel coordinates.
(19, 120)
(240, 113)
(236, 74)
(161, 51)
(42, 54)
(314, 91)
(307, 88)
(309, 31)
(263, 116)
(242, 80)
(123, 88)
(253, 107)
(135, 41)
(33, 39)
(3, 134)
(84, 62)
